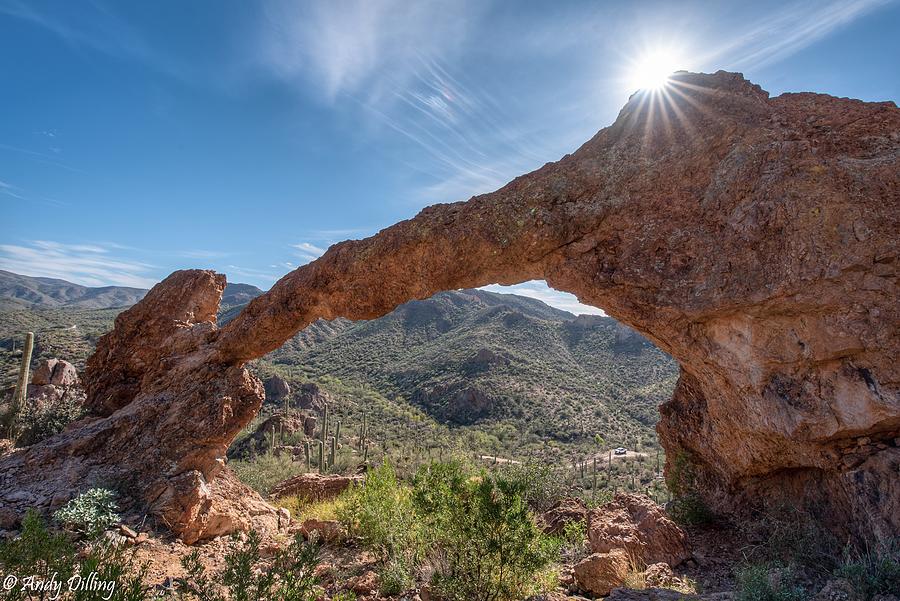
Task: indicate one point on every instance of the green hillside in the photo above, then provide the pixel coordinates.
(482, 372)
(499, 362)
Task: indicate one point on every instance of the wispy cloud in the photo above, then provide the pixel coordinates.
(308, 252)
(327, 237)
(7, 189)
(397, 65)
(93, 26)
(203, 254)
(539, 290)
(789, 30)
(85, 264)
(41, 158)
(257, 275)
(348, 46)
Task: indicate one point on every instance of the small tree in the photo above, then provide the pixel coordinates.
(488, 547)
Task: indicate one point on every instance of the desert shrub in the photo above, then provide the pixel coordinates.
(873, 571)
(785, 535)
(301, 508)
(687, 505)
(540, 482)
(487, 546)
(767, 582)
(573, 542)
(44, 554)
(380, 512)
(289, 577)
(90, 513)
(395, 577)
(265, 471)
(43, 420)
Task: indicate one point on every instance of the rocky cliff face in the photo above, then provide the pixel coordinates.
(754, 239)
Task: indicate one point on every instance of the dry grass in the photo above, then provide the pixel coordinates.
(303, 510)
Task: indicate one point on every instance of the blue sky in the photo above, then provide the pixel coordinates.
(137, 138)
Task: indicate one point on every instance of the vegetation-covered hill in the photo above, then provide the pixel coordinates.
(513, 364)
(21, 291)
(508, 374)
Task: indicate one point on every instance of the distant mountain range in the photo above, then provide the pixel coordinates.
(512, 364)
(26, 292)
(22, 291)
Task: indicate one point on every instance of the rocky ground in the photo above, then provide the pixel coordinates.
(631, 528)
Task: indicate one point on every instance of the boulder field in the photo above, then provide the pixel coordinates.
(754, 239)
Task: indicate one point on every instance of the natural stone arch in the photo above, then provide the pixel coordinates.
(756, 240)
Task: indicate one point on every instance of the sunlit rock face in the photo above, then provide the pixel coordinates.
(754, 239)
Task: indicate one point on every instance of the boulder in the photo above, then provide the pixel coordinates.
(56, 372)
(277, 389)
(600, 573)
(53, 381)
(326, 530)
(364, 584)
(564, 512)
(838, 589)
(659, 575)
(314, 487)
(311, 396)
(638, 525)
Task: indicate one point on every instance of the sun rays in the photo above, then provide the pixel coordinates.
(664, 101)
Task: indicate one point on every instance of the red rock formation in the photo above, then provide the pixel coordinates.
(164, 415)
(754, 239)
(314, 487)
(600, 573)
(638, 525)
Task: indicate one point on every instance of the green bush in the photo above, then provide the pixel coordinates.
(395, 577)
(380, 512)
(290, 577)
(574, 542)
(873, 571)
(265, 471)
(46, 555)
(767, 582)
(486, 544)
(687, 506)
(540, 482)
(90, 513)
(41, 421)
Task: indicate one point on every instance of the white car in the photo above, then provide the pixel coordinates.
(620, 451)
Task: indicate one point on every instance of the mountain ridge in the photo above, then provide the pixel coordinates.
(19, 291)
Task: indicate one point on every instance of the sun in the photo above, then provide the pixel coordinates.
(651, 71)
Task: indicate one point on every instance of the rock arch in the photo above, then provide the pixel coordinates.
(754, 239)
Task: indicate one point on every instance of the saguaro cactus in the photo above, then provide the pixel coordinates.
(306, 455)
(333, 449)
(324, 434)
(21, 393)
(364, 431)
(321, 457)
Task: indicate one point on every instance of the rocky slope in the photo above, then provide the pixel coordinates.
(754, 239)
